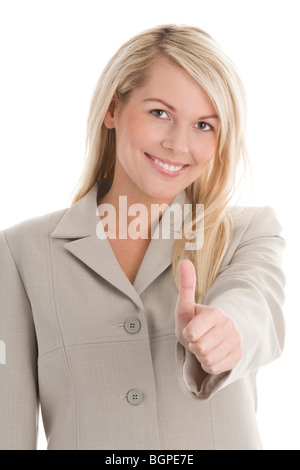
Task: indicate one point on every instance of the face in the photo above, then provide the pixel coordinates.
(166, 134)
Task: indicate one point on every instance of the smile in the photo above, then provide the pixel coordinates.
(165, 168)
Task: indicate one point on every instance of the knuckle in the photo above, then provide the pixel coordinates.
(228, 323)
(237, 340)
(208, 362)
(189, 334)
(239, 355)
(211, 369)
(220, 314)
(201, 349)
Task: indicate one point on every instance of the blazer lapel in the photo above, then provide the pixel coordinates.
(79, 224)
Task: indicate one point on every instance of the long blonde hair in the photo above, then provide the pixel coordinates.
(200, 55)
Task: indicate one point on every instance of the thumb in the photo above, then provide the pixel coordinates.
(185, 306)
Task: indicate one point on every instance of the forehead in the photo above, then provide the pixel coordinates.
(170, 82)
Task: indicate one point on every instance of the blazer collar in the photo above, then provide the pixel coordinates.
(81, 219)
(79, 224)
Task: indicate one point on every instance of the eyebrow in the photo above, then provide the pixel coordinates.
(212, 116)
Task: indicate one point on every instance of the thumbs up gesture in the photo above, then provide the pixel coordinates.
(205, 331)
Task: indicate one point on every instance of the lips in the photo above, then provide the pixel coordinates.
(164, 168)
(165, 160)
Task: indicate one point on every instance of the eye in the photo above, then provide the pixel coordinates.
(159, 113)
(203, 126)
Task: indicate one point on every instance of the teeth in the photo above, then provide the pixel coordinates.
(168, 167)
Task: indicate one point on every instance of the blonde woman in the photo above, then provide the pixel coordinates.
(126, 338)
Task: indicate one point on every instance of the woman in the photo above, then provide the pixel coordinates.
(130, 340)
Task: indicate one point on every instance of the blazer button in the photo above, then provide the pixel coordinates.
(132, 325)
(135, 396)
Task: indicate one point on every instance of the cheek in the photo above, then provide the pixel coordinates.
(205, 151)
(137, 133)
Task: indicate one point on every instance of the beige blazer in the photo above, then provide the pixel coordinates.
(100, 354)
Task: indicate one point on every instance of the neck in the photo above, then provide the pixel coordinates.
(129, 215)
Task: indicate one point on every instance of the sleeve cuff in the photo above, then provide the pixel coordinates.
(193, 380)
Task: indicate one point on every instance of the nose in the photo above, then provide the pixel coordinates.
(176, 140)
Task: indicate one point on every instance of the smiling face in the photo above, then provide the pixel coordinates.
(166, 134)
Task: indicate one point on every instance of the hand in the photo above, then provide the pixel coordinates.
(205, 331)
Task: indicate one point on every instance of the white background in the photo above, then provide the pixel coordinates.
(52, 53)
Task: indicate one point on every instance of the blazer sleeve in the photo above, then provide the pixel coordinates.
(250, 290)
(18, 360)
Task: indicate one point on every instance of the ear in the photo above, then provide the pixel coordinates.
(111, 114)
